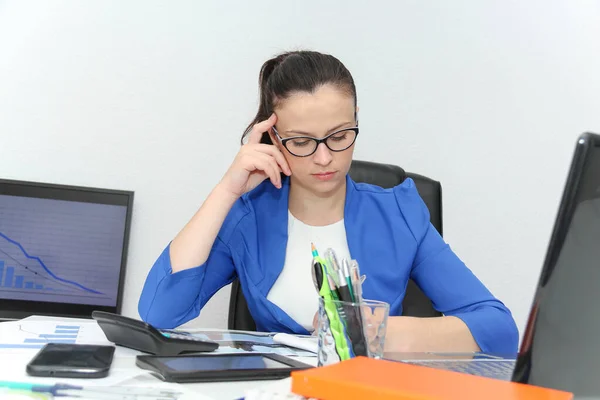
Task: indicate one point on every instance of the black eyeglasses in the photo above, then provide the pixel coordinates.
(304, 146)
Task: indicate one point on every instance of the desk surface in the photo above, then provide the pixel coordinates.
(215, 390)
(125, 372)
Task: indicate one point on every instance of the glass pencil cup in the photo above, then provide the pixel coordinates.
(347, 330)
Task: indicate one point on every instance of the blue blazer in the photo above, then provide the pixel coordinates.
(388, 233)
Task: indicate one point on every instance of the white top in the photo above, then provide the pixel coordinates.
(294, 291)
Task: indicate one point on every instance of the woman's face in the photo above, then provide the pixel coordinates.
(317, 115)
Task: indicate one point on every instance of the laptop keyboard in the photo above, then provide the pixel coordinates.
(497, 369)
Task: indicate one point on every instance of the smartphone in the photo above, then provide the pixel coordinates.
(72, 361)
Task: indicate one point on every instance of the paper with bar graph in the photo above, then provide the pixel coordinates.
(21, 340)
(26, 334)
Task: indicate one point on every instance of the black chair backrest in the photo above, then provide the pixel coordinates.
(415, 303)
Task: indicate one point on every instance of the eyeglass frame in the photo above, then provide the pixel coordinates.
(319, 141)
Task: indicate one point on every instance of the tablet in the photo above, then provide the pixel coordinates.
(220, 367)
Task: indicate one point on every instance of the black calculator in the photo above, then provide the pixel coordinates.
(139, 335)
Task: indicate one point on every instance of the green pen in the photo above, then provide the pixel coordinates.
(332, 280)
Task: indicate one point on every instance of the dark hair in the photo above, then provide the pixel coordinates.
(297, 71)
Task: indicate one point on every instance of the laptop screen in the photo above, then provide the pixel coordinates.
(561, 346)
(61, 249)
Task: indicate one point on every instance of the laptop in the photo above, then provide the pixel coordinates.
(560, 347)
(480, 364)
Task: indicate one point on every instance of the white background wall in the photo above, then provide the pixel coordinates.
(486, 96)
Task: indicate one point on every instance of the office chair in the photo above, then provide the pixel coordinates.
(415, 303)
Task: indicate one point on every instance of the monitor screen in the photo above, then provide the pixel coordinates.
(62, 249)
(561, 347)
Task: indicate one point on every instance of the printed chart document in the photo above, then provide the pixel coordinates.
(233, 342)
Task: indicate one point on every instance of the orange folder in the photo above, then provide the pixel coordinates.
(366, 378)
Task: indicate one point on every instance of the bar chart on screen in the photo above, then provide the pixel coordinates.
(60, 251)
(38, 277)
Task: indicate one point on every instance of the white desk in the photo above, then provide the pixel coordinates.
(216, 390)
(125, 372)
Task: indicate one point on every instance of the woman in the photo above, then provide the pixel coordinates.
(289, 186)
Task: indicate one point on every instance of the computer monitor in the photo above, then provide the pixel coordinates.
(561, 344)
(63, 249)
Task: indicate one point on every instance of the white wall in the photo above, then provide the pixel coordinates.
(486, 96)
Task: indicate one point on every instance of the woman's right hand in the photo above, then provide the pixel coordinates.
(255, 162)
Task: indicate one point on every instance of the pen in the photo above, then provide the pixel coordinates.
(332, 258)
(346, 273)
(332, 261)
(317, 257)
(321, 284)
(63, 390)
(331, 279)
(343, 289)
(334, 289)
(91, 395)
(357, 281)
(24, 394)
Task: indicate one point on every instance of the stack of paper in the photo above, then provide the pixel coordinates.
(232, 342)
